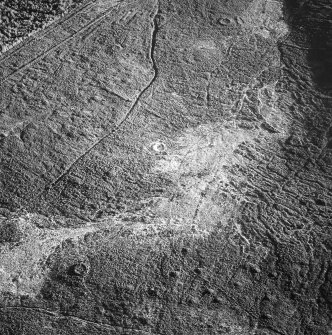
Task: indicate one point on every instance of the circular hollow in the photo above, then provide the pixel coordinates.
(159, 147)
(79, 269)
(224, 21)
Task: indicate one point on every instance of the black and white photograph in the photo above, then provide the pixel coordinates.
(165, 167)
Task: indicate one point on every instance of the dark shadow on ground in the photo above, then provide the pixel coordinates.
(310, 22)
(307, 55)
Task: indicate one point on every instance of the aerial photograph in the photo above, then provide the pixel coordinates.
(165, 167)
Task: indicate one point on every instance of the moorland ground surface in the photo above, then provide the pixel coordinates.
(165, 167)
